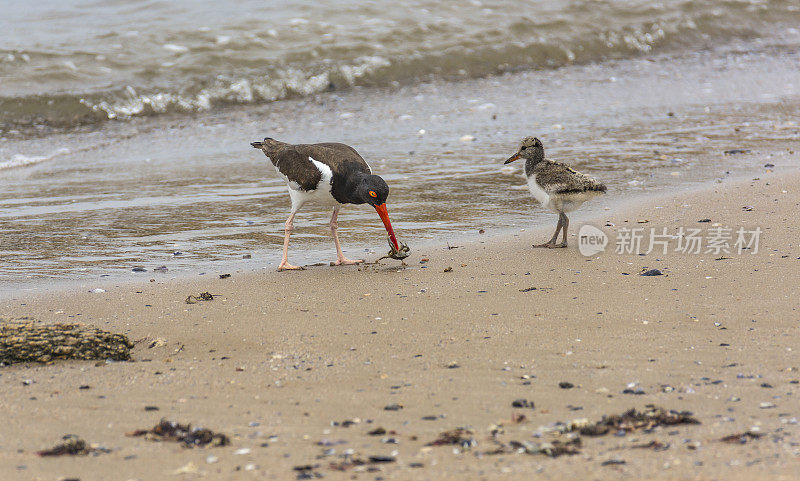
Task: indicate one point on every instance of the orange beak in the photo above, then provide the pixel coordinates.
(512, 158)
(381, 209)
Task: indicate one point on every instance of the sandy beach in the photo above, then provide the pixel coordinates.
(297, 368)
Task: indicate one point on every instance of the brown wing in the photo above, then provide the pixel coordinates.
(340, 158)
(297, 167)
(558, 178)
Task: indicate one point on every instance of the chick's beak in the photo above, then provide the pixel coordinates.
(512, 158)
(381, 209)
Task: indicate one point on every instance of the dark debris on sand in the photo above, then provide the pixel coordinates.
(204, 296)
(30, 341)
(351, 462)
(72, 446)
(741, 438)
(459, 436)
(182, 433)
(553, 449)
(566, 438)
(633, 420)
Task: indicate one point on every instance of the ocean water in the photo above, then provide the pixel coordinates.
(125, 126)
(82, 61)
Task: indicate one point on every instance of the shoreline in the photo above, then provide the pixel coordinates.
(74, 216)
(592, 211)
(277, 358)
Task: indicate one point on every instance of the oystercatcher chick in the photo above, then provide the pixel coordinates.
(330, 174)
(555, 185)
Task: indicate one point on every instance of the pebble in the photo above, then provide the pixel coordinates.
(211, 459)
(566, 385)
(393, 407)
(139, 269)
(766, 405)
(467, 138)
(522, 403)
(97, 291)
(652, 272)
(637, 391)
(242, 451)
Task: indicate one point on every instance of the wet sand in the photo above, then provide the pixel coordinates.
(277, 358)
(133, 193)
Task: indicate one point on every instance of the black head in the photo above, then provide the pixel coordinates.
(372, 190)
(530, 148)
(268, 144)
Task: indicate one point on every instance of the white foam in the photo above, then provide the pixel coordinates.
(21, 160)
(175, 48)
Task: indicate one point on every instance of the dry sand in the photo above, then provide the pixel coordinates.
(276, 358)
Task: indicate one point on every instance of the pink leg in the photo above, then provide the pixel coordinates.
(286, 233)
(341, 260)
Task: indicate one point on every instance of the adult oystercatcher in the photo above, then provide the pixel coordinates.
(555, 185)
(331, 174)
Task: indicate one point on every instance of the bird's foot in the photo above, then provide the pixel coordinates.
(285, 266)
(346, 262)
(551, 245)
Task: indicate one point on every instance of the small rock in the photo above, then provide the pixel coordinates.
(637, 391)
(467, 138)
(566, 385)
(766, 405)
(189, 468)
(139, 269)
(652, 272)
(211, 459)
(161, 269)
(242, 451)
(704, 220)
(393, 407)
(381, 459)
(522, 403)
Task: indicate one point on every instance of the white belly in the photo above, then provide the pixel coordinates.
(539, 193)
(559, 202)
(570, 202)
(320, 195)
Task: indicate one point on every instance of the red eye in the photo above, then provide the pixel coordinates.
(373, 194)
